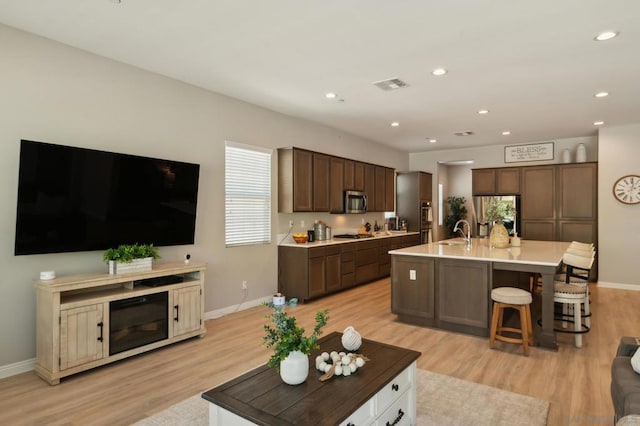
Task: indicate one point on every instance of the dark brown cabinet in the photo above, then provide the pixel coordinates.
(380, 189)
(499, 181)
(295, 180)
(321, 177)
(314, 182)
(559, 202)
(390, 190)
(336, 184)
(426, 190)
(370, 185)
(308, 273)
(463, 295)
(413, 288)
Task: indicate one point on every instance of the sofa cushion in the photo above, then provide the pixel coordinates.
(635, 362)
(625, 387)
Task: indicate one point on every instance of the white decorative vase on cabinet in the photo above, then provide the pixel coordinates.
(294, 369)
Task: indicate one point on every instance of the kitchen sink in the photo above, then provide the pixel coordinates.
(452, 243)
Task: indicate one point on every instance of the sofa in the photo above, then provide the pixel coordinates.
(625, 383)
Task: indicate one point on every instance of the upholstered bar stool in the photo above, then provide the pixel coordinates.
(514, 298)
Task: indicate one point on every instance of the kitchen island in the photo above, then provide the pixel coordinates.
(447, 284)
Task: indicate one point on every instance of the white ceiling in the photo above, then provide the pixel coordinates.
(533, 64)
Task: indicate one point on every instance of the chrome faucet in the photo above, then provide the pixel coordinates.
(457, 228)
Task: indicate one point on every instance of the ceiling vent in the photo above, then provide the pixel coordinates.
(464, 133)
(390, 84)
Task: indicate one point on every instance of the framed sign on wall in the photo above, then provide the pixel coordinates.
(532, 152)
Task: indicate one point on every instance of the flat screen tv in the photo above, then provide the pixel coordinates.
(76, 199)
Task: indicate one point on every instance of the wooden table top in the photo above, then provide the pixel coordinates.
(262, 397)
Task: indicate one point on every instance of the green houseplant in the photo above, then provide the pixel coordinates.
(291, 348)
(498, 210)
(130, 257)
(457, 211)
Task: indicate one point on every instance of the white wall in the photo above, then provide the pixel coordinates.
(54, 93)
(618, 224)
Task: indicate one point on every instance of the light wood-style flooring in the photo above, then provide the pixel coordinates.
(575, 381)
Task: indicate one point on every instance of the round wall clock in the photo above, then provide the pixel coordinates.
(627, 189)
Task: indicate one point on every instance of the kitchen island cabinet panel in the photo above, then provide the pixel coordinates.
(463, 295)
(413, 289)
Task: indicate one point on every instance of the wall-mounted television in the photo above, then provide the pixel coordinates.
(75, 199)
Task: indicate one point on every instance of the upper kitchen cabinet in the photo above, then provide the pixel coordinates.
(578, 191)
(538, 193)
(295, 180)
(381, 189)
(353, 175)
(321, 182)
(499, 181)
(336, 184)
(426, 189)
(390, 188)
(370, 186)
(314, 182)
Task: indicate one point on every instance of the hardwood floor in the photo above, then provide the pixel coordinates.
(575, 381)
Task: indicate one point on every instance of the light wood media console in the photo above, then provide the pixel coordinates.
(74, 322)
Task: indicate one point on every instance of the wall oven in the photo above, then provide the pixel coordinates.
(355, 202)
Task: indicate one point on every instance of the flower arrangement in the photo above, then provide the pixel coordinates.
(498, 210)
(126, 253)
(287, 336)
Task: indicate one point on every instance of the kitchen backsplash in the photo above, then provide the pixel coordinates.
(339, 223)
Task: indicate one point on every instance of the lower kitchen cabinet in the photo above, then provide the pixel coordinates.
(413, 289)
(443, 293)
(309, 272)
(463, 294)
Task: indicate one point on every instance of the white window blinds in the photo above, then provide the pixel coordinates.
(247, 188)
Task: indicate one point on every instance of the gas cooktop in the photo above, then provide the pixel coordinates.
(353, 236)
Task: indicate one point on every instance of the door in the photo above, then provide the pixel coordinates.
(538, 193)
(413, 286)
(82, 334)
(187, 310)
(463, 293)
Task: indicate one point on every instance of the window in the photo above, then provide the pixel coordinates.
(247, 187)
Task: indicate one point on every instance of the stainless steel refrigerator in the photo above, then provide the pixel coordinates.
(483, 224)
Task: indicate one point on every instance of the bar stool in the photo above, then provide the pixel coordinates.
(573, 292)
(514, 298)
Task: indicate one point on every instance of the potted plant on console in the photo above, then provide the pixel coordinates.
(130, 258)
(291, 348)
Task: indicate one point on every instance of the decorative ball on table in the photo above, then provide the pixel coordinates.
(351, 339)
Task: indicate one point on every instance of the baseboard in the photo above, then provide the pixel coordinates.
(17, 368)
(235, 308)
(620, 286)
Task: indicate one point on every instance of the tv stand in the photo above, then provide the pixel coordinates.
(73, 316)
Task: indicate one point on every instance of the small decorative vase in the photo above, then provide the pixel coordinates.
(351, 339)
(581, 153)
(499, 236)
(515, 240)
(294, 369)
(566, 156)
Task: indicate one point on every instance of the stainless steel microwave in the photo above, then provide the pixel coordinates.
(355, 202)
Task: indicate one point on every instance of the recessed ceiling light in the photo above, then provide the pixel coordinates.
(598, 123)
(433, 140)
(601, 94)
(506, 133)
(606, 35)
(483, 111)
(439, 71)
(330, 95)
(395, 124)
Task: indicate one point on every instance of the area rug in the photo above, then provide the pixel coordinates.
(441, 400)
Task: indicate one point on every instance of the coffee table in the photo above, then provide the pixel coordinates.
(383, 391)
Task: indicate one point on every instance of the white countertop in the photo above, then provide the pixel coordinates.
(290, 243)
(547, 253)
